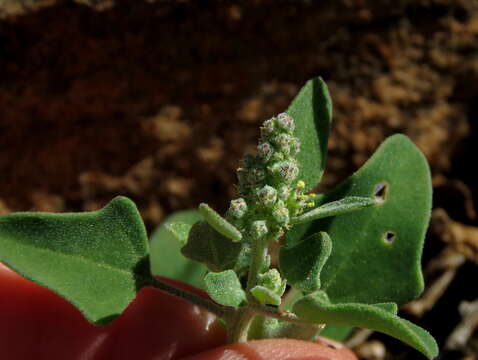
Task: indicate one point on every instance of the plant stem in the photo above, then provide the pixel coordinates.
(258, 256)
(238, 326)
(273, 313)
(216, 309)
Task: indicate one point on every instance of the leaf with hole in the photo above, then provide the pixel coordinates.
(166, 242)
(312, 112)
(380, 317)
(302, 263)
(97, 260)
(225, 288)
(206, 245)
(377, 250)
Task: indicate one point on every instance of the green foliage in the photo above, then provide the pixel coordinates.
(98, 261)
(312, 111)
(265, 295)
(166, 243)
(217, 282)
(334, 208)
(206, 245)
(348, 255)
(380, 317)
(302, 263)
(336, 332)
(377, 250)
(220, 224)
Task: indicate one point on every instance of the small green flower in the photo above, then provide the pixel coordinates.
(286, 171)
(265, 151)
(237, 208)
(258, 229)
(273, 281)
(267, 195)
(283, 192)
(285, 122)
(281, 215)
(267, 128)
(283, 142)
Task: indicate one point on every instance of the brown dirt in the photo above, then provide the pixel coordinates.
(158, 101)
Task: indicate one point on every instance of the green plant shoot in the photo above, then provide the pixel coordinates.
(344, 258)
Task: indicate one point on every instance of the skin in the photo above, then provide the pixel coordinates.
(36, 322)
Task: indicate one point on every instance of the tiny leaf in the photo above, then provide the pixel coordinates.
(220, 224)
(97, 260)
(263, 327)
(265, 295)
(380, 317)
(225, 288)
(206, 245)
(166, 257)
(312, 112)
(334, 208)
(301, 264)
(377, 250)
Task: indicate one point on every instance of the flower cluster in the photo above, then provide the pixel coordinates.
(270, 193)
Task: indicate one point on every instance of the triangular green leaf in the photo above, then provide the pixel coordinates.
(301, 264)
(208, 246)
(263, 327)
(98, 260)
(225, 288)
(166, 257)
(377, 250)
(317, 308)
(312, 112)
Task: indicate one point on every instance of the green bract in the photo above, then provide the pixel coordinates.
(348, 256)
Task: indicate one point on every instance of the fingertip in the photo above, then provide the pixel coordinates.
(279, 349)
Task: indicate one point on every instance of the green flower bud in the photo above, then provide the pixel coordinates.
(294, 146)
(272, 281)
(277, 156)
(285, 122)
(267, 195)
(265, 151)
(258, 229)
(283, 192)
(281, 215)
(286, 170)
(237, 208)
(267, 128)
(255, 175)
(283, 141)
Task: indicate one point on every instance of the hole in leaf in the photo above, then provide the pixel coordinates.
(380, 191)
(389, 236)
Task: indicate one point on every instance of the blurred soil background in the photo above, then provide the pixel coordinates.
(158, 100)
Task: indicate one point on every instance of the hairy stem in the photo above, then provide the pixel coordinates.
(258, 259)
(209, 305)
(280, 315)
(238, 325)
